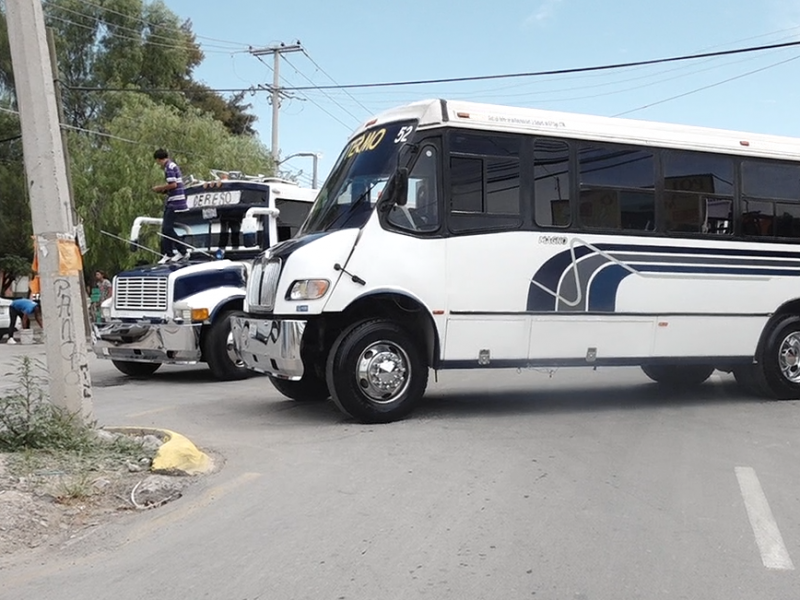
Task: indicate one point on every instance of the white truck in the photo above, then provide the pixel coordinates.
(179, 312)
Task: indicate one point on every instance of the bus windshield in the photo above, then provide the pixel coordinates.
(358, 178)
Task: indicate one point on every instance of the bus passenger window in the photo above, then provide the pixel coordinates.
(617, 187)
(551, 183)
(698, 192)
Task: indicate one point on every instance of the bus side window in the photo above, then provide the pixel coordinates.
(617, 187)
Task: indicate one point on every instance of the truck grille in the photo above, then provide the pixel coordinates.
(264, 285)
(140, 293)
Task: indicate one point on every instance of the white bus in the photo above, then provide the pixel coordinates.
(454, 235)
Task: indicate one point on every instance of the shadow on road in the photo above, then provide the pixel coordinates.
(465, 403)
(625, 397)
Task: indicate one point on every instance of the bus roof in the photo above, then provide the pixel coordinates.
(458, 113)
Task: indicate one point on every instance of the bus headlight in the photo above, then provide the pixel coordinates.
(308, 289)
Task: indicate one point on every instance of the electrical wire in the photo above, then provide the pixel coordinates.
(324, 93)
(591, 69)
(705, 87)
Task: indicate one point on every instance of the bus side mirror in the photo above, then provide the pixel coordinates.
(398, 187)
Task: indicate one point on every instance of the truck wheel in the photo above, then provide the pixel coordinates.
(376, 372)
(678, 376)
(780, 359)
(136, 369)
(218, 349)
(308, 389)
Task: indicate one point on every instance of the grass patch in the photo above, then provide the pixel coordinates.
(53, 451)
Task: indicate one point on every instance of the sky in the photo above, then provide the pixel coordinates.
(354, 41)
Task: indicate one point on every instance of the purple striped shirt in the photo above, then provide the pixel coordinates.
(176, 197)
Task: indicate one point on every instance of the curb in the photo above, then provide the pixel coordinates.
(176, 455)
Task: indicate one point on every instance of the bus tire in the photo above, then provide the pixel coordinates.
(751, 379)
(678, 376)
(780, 358)
(376, 371)
(218, 349)
(308, 389)
(136, 369)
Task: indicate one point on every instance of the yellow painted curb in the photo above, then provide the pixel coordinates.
(176, 453)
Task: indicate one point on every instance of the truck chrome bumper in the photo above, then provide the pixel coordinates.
(147, 342)
(269, 346)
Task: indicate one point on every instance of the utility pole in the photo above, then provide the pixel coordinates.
(51, 210)
(277, 94)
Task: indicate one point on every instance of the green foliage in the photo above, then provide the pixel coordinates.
(11, 267)
(112, 178)
(29, 421)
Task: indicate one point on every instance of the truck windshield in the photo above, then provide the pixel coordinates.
(358, 178)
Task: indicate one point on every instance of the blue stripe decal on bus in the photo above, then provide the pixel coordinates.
(553, 287)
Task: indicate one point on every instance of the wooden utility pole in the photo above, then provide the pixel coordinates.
(51, 210)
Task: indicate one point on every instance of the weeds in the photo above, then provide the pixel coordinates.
(52, 449)
(28, 420)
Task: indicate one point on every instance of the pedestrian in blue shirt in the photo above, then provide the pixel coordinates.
(175, 203)
(24, 309)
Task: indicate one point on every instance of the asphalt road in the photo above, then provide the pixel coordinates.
(503, 485)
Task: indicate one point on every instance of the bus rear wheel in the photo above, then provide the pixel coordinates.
(678, 376)
(779, 359)
(376, 371)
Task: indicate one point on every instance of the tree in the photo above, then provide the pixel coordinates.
(112, 176)
(130, 44)
(11, 268)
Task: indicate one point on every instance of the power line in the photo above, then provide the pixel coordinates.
(479, 77)
(331, 98)
(237, 45)
(313, 62)
(640, 63)
(705, 87)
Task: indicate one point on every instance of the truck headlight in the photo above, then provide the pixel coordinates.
(105, 312)
(308, 289)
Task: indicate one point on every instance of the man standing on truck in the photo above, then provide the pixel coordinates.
(175, 203)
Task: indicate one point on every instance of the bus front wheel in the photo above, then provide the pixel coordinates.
(678, 376)
(376, 371)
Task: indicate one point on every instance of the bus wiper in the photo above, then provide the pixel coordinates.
(346, 214)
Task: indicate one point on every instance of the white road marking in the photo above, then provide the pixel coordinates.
(770, 543)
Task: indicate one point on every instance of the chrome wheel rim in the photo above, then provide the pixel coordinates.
(232, 351)
(789, 357)
(383, 372)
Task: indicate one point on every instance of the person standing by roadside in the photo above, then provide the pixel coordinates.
(104, 285)
(24, 309)
(175, 202)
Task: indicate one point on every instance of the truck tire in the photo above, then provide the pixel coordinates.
(678, 376)
(136, 369)
(218, 349)
(376, 371)
(308, 389)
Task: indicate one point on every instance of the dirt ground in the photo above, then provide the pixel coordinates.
(47, 508)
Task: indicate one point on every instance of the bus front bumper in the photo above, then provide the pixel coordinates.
(147, 342)
(269, 345)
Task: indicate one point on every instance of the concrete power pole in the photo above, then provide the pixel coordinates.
(276, 52)
(51, 210)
